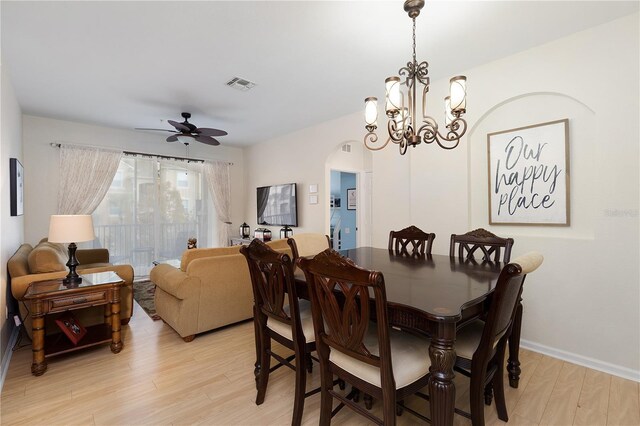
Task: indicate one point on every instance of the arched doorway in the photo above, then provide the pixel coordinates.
(348, 176)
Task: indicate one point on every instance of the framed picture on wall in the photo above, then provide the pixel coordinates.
(351, 199)
(16, 184)
(529, 175)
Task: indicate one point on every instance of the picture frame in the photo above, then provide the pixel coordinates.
(16, 187)
(351, 199)
(529, 175)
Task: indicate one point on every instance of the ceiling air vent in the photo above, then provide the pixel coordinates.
(346, 147)
(240, 84)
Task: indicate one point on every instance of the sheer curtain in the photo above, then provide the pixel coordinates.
(85, 177)
(151, 209)
(217, 177)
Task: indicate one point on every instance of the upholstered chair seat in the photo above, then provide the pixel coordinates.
(468, 339)
(409, 358)
(305, 320)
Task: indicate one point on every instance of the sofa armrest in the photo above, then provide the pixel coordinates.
(98, 255)
(175, 282)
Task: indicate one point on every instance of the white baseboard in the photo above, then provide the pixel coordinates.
(6, 356)
(615, 370)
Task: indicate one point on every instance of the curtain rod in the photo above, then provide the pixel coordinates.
(169, 157)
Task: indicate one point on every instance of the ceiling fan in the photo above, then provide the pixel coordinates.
(187, 130)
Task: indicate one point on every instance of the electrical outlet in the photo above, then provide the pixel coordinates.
(6, 312)
(347, 230)
(16, 319)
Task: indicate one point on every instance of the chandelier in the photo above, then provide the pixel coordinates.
(404, 126)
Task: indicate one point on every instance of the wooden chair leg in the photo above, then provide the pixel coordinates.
(476, 392)
(498, 389)
(388, 408)
(488, 393)
(309, 362)
(265, 363)
(368, 401)
(326, 400)
(399, 409)
(298, 403)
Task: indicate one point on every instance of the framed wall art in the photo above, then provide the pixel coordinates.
(529, 175)
(351, 199)
(16, 183)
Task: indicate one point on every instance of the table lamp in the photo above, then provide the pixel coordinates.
(71, 229)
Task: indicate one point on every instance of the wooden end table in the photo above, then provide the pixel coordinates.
(53, 296)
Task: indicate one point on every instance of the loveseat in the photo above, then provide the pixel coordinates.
(210, 289)
(47, 261)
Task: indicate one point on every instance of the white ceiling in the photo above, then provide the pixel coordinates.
(134, 64)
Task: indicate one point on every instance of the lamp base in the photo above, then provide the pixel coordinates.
(72, 279)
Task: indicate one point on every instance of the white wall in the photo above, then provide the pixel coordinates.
(584, 302)
(299, 157)
(11, 228)
(42, 160)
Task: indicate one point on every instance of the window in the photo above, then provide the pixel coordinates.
(151, 210)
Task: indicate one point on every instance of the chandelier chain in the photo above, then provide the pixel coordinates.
(414, 41)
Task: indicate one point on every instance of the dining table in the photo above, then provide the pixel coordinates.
(435, 295)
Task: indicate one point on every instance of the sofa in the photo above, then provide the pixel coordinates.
(47, 261)
(210, 289)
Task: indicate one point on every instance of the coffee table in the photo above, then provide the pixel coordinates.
(53, 296)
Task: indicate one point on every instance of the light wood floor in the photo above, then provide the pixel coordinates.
(158, 379)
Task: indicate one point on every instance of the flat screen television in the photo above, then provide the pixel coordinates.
(277, 205)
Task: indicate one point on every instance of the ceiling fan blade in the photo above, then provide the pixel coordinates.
(207, 139)
(172, 138)
(210, 132)
(179, 126)
(157, 130)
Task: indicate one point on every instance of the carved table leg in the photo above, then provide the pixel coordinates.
(441, 387)
(39, 364)
(513, 365)
(116, 340)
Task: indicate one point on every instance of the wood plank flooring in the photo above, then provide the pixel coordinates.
(160, 380)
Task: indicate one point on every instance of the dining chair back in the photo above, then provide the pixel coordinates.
(281, 316)
(345, 299)
(480, 241)
(481, 345)
(411, 241)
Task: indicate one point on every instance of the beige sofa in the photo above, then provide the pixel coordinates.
(211, 289)
(48, 261)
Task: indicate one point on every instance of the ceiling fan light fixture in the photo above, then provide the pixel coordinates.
(185, 139)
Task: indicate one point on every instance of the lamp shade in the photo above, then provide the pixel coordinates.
(393, 98)
(458, 93)
(371, 111)
(71, 228)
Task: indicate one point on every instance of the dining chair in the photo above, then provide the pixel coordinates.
(279, 315)
(487, 243)
(480, 345)
(381, 361)
(420, 241)
(308, 244)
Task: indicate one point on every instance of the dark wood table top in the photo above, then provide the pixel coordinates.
(440, 286)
